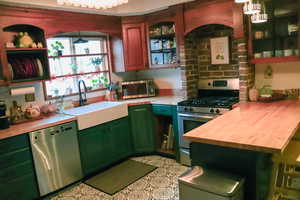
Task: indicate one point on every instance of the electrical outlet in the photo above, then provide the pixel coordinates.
(29, 97)
(268, 73)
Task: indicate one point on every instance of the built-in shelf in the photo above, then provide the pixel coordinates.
(77, 55)
(26, 49)
(275, 59)
(79, 74)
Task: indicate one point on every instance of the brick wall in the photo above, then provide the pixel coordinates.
(196, 61)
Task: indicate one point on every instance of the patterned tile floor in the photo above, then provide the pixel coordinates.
(161, 184)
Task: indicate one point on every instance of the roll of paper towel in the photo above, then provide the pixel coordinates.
(22, 91)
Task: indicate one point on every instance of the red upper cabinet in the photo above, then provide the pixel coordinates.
(135, 47)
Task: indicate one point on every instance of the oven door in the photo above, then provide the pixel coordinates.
(189, 121)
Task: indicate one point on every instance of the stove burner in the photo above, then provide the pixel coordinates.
(212, 102)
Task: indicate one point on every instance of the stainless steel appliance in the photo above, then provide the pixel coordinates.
(138, 89)
(4, 122)
(56, 157)
(199, 183)
(215, 97)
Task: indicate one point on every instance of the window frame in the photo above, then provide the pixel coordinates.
(109, 65)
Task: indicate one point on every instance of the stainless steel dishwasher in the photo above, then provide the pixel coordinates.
(56, 157)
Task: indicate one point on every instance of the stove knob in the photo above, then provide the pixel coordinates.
(185, 109)
(218, 111)
(211, 111)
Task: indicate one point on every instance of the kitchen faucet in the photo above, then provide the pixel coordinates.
(82, 101)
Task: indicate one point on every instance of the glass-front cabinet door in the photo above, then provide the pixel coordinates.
(162, 45)
(278, 38)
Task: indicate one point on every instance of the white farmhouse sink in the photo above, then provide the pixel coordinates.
(98, 113)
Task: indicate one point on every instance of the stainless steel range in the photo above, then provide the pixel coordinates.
(215, 97)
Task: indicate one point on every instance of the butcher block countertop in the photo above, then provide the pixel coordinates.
(26, 127)
(263, 127)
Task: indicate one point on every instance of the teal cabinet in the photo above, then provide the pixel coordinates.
(141, 121)
(17, 175)
(103, 145)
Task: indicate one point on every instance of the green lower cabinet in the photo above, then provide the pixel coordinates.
(95, 146)
(141, 121)
(120, 129)
(17, 175)
(103, 145)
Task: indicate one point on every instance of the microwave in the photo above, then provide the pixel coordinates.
(138, 89)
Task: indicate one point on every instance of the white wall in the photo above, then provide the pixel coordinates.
(285, 75)
(163, 78)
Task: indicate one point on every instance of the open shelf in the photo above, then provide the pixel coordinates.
(24, 65)
(26, 49)
(275, 59)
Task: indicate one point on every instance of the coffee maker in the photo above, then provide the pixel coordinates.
(4, 122)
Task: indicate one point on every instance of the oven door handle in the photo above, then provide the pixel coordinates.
(198, 117)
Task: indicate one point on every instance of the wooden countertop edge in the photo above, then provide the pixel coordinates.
(27, 128)
(233, 145)
(291, 136)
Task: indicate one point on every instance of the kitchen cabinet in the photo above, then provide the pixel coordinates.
(103, 145)
(164, 116)
(135, 47)
(24, 63)
(276, 40)
(162, 45)
(17, 176)
(121, 142)
(141, 120)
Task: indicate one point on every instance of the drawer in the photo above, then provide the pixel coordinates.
(14, 143)
(159, 109)
(21, 188)
(16, 171)
(14, 158)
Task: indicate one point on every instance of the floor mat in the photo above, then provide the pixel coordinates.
(120, 176)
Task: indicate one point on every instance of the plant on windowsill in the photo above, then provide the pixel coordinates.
(100, 82)
(56, 49)
(74, 68)
(96, 62)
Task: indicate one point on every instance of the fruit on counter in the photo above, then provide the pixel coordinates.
(48, 108)
(32, 112)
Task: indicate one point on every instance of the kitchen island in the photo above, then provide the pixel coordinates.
(243, 140)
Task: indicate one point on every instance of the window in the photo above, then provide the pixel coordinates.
(70, 62)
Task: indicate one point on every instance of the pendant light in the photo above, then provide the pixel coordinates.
(260, 17)
(80, 40)
(252, 7)
(241, 1)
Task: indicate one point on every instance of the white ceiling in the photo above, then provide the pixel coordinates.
(134, 7)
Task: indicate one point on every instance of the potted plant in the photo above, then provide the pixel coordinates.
(97, 62)
(56, 49)
(74, 68)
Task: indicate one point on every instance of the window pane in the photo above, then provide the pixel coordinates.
(63, 44)
(91, 47)
(88, 64)
(96, 81)
(61, 86)
(61, 66)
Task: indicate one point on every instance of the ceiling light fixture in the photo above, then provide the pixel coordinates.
(241, 1)
(95, 4)
(252, 7)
